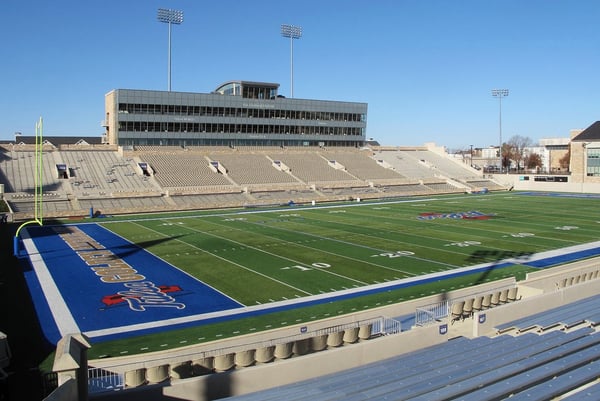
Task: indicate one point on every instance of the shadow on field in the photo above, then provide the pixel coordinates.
(130, 249)
(495, 258)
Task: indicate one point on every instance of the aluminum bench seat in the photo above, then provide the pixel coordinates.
(580, 308)
(573, 313)
(593, 319)
(488, 385)
(561, 384)
(404, 375)
(450, 369)
(534, 375)
(591, 393)
(474, 364)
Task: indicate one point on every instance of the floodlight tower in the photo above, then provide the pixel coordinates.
(292, 32)
(500, 93)
(170, 17)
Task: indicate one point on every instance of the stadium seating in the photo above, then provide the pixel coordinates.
(528, 366)
(178, 178)
(584, 311)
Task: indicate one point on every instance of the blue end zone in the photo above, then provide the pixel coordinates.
(144, 290)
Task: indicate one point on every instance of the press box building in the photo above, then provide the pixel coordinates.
(237, 113)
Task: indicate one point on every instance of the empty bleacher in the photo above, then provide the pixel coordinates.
(185, 178)
(443, 187)
(252, 169)
(528, 366)
(115, 205)
(183, 169)
(403, 162)
(480, 184)
(210, 200)
(361, 165)
(18, 168)
(406, 189)
(106, 171)
(312, 168)
(585, 311)
(442, 165)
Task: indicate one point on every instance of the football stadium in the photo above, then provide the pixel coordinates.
(241, 245)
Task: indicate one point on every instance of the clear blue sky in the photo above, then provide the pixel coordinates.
(426, 68)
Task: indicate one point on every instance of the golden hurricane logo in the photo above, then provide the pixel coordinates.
(472, 215)
(139, 293)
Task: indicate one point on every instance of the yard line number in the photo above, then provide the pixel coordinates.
(317, 265)
(464, 244)
(396, 254)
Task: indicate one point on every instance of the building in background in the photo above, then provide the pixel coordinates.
(585, 155)
(238, 113)
(555, 149)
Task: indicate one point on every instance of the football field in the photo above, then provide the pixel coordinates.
(122, 277)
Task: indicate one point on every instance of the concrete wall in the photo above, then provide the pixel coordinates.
(514, 180)
(485, 321)
(563, 276)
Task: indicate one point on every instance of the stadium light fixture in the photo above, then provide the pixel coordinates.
(292, 32)
(500, 93)
(170, 17)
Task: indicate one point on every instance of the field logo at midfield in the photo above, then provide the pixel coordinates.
(135, 290)
(471, 215)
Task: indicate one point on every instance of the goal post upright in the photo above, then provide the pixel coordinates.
(38, 209)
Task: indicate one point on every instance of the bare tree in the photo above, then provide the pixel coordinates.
(533, 160)
(517, 145)
(506, 156)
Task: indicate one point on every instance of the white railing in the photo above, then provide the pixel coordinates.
(100, 380)
(432, 313)
(385, 326)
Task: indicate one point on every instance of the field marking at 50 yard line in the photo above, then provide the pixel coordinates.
(507, 238)
(528, 220)
(452, 266)
(411, 244)
(444, 200)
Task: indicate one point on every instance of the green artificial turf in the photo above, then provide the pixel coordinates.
(263, 256)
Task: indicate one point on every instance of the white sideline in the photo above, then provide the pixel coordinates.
(58, 307)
